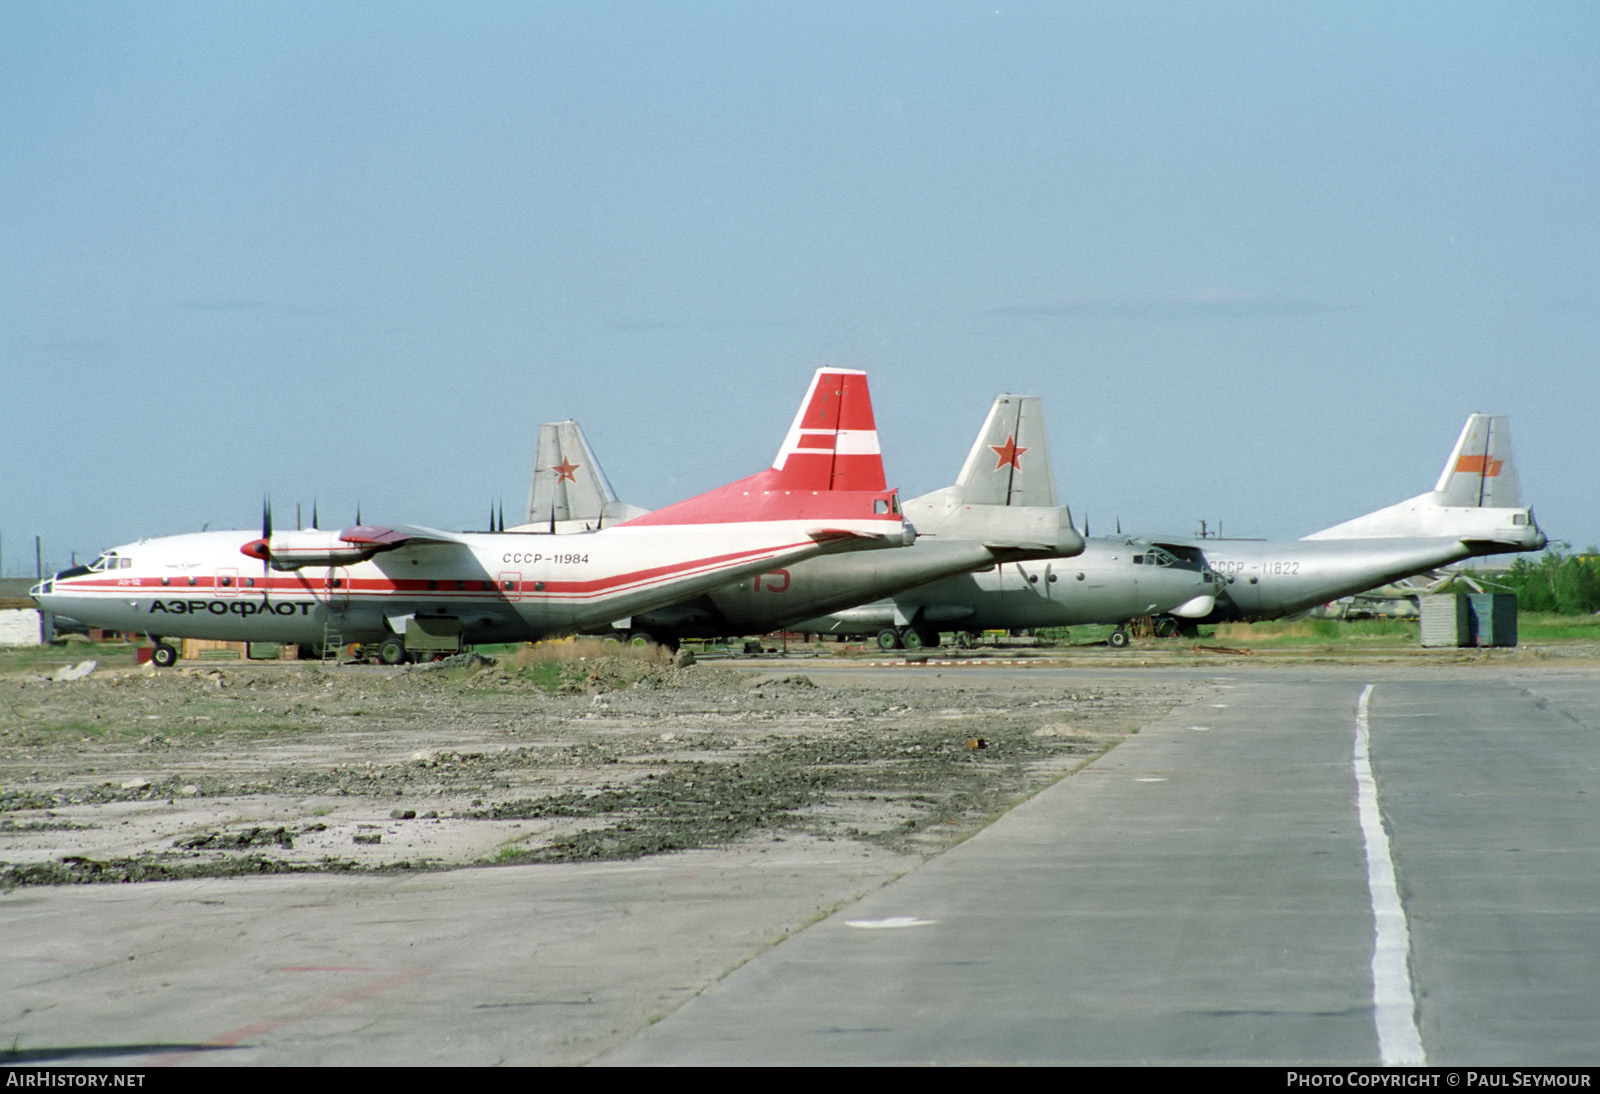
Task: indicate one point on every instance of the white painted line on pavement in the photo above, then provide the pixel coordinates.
(894, 922)
(1394, 1007)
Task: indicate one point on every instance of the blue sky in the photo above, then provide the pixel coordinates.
(1260, 259)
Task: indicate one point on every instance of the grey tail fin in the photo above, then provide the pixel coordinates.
(1477, 499)
(570, 491)
(1480, 472)
(1010, 461)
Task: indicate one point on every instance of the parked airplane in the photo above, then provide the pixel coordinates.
(824, 493)
(569, 492)
(1112, 581)
(995, 511)
(1474, 509)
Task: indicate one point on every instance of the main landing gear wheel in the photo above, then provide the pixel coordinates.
(163, 656)
(1167, 627)
(1117, 639)
(392, 651)
(916, 638)
(888, 639)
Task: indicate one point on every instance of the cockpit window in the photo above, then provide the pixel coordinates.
(1155, 556)
(104, 562)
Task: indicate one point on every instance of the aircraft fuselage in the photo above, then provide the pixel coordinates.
(500, 586)
(1112, 581)
(1271, 579)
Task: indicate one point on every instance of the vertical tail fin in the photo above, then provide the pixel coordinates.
(828, 472)
(1479, 472)
(1010, 461)
(1005, 496)
(1477, 499)
(570, 491)
(833, 443)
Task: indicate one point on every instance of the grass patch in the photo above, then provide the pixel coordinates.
(1317, 632)
(1550, 627)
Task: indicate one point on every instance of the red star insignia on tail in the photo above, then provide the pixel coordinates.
(565, 470)
(1008, 453)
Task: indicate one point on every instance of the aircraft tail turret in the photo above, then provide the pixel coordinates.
(1477, 499)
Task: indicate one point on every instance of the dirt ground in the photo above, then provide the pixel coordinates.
(211, 770)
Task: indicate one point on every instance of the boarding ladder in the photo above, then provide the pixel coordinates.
(333, 635)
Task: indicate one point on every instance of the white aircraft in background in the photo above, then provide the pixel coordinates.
(824, 493)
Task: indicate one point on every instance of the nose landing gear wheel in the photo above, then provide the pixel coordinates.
(163, 656)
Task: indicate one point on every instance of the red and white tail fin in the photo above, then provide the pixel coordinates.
(833, 443)
(828, 473)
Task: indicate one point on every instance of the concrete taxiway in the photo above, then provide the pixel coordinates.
(1205, 892)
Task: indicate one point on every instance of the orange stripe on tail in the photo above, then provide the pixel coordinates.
(1478, 465)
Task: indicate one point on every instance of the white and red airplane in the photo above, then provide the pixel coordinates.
(824, 493)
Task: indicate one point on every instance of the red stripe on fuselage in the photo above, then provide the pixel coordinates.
(486, 590)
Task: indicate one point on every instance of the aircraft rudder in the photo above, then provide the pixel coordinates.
(1009, 463)
(1480, 472)
(833, 442)
(568, 482)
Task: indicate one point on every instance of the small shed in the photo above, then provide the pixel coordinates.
(1476, 619)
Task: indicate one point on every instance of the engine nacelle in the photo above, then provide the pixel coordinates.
(317, 547)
